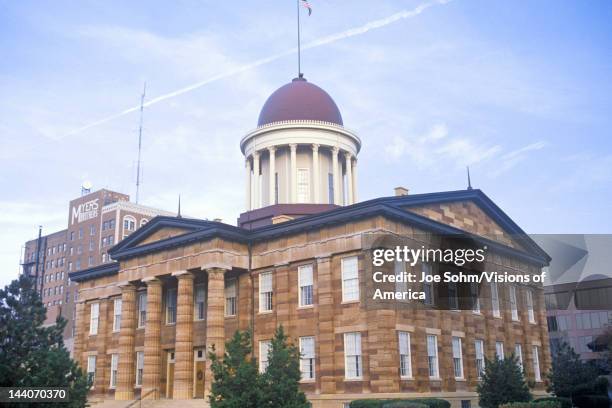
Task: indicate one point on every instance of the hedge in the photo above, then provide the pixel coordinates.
(565, 402)
(541, 404)
(401, 403)
(591, 401)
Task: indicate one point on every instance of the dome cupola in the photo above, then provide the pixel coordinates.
(299, 100)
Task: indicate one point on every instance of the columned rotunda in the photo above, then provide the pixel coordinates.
(300, 152)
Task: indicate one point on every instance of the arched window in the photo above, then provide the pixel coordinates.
(143, 221)
(129, 223)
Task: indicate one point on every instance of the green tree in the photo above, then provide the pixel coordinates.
(236, 381)
(32, 355)
(281, 378)
(569, 372)
(502, 382)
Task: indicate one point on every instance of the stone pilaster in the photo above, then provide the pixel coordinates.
(326, 336)
(152, 347)
(79, 333)
(183, 368)
(215, 329)
(102, 359)
(126, 374)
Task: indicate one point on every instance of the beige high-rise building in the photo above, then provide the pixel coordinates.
(301, 256)
(96, 222)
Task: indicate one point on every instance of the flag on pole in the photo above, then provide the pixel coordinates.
(307, 5)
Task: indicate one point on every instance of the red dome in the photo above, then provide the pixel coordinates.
(299, 100)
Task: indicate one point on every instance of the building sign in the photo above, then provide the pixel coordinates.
(85, 211)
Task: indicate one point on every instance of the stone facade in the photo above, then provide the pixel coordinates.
(174, 348)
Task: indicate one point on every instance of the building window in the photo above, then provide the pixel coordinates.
(536, 363)
(513, 305)
(71, 237)
(264, 351)
(114, 367)
(353, 368)
(143, 222)
(117, 315)
(457, 358)
(303, 185)
(432, 356)
(330, 188)
(518, 353)
(80, 233)
(142, 309)
(475, 297)
(350, 279)
(129, 223)
(103, 258)
(428, 286)
(404, 353)
(92, 230)
(200, 302)
(307, 357)
(495, 300)
(453, 299)
(139, 367)
(171, 306)
(91, 369)
(305, 280)
(480, 361)
(400, 284)
(91, 245)
(230, 297)
(265, 292)
(94, 317)
(466, 404)
(529, 299)
(499, 350)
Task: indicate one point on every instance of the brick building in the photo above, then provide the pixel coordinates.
(301, 256)
(96, 222)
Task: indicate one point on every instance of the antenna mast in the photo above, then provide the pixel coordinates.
(144, 91)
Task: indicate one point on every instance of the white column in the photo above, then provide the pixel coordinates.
(247, 165)
(349, 178)
(256, 192)
(315, 173)
(272, 185)
(293, 148)
(355, 199)
(335, 175)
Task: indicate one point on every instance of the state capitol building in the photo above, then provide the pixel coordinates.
(301, 257)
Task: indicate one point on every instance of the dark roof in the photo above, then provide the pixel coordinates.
(95, 272)
(390, 207)
(299, 100)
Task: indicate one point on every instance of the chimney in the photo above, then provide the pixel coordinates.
(400, 191)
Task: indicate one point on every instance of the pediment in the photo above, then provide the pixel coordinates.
(469, 215)
(160, 229)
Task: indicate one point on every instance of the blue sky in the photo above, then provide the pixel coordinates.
(520, 91)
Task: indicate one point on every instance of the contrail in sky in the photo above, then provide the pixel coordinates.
(372, 25)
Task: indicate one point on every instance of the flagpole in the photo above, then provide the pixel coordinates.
(298, 37)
